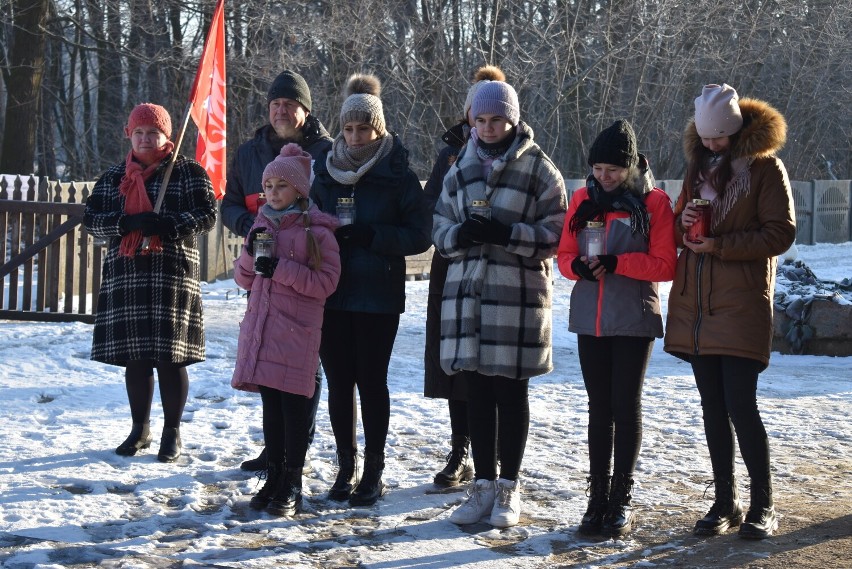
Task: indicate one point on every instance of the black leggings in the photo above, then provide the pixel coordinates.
(728, 388)
(174, 387)
(614, 372)
(355, 352)
(498, 410)
(286, 418)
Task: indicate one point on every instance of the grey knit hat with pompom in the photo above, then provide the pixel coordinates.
(362, 102)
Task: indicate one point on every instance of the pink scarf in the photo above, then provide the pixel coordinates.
(132, 187)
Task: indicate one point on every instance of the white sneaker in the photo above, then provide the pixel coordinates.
(480, 500)
(507, 503)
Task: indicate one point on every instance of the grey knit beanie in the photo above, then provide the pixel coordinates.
(362, 103)
(498, 98)
(717, 111)
(290, 85)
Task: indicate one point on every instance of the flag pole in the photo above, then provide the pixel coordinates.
(217, 12)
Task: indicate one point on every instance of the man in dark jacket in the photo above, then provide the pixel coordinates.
(290, 120)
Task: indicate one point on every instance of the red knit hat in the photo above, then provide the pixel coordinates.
(294, 166)
(150, 114)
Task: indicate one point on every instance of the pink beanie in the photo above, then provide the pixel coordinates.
(150, 114)
(292, 165)
(717, 111)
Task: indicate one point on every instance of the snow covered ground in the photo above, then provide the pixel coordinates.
(66, 499)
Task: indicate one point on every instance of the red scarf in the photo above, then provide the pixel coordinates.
(132, 187)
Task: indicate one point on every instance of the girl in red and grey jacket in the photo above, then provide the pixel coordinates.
(615, 311)
(278, 349)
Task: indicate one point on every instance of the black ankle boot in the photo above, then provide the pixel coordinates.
(255, 464)
(371, 487)
(169, 445)
(273, 474)
(761, 520)
(726, 511)
(139, 438)
(598, 493)
(458, 469)
(619, 517)
(288, 496)
(347, 476)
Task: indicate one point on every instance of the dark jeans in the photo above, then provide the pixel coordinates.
(614, 372)
(355, 351)
(285, 426)
(728, 388)
(498, 411)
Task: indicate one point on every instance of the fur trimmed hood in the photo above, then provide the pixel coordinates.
(763, 134)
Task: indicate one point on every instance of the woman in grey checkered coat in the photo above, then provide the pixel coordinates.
(149, 305)
(496, 311)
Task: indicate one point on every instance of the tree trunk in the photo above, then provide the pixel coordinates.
(23, 86)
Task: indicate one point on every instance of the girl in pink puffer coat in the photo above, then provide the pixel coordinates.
(278, 350)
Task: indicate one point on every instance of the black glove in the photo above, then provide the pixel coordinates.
(609, 262)
(158, 225)
(251, 237)
(355, 234)
(465, 236)
(582, 269)
(136, 221)
(491, 231)
(265, 266)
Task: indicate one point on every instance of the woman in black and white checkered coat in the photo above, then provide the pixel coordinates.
(149, 305)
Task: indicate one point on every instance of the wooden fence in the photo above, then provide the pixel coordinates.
(51, 267)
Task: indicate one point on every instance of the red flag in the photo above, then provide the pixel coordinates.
(207, 101)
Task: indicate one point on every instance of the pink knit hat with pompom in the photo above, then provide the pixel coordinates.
(292, 165)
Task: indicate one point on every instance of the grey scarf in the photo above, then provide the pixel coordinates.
(347, 165)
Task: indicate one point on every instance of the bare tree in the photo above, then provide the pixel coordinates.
(577, 65)
(23, 75)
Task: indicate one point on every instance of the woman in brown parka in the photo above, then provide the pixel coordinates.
(720, 305)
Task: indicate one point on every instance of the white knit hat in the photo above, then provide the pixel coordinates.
(717, 111)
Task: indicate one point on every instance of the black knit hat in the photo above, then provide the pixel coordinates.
(290, 85)
(615, 145)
